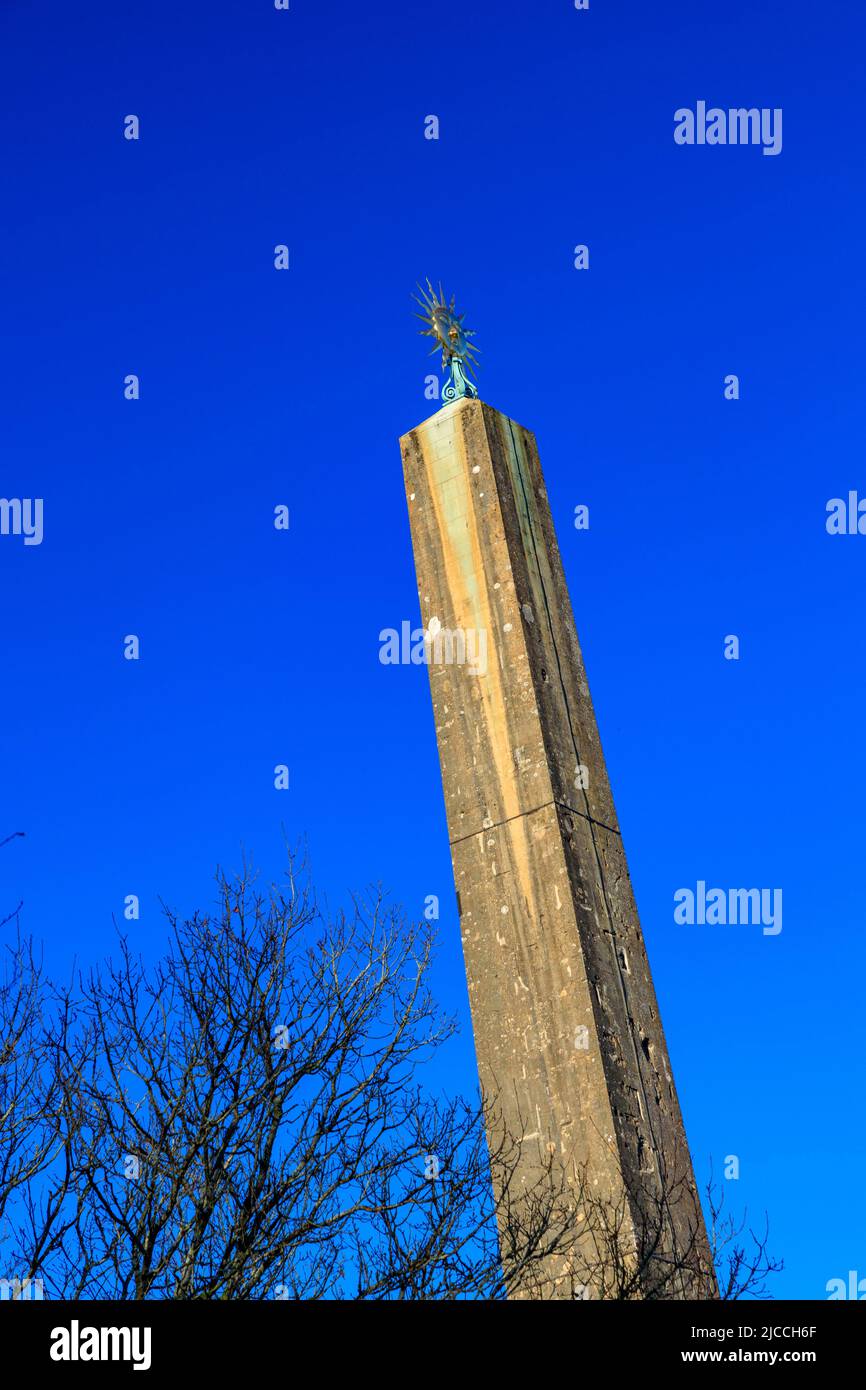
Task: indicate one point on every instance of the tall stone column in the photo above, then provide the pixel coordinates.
(566, 1022)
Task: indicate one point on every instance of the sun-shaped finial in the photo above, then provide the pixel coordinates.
(445, 326)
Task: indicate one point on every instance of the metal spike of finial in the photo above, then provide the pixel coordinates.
(445, 326)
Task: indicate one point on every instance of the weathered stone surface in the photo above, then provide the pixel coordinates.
(551, 936)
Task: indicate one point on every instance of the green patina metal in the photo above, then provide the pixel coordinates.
(446, 327)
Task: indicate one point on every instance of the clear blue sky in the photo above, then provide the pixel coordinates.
(261, 387)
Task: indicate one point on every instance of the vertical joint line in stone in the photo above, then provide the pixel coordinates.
(573, 735)
(659, 1156)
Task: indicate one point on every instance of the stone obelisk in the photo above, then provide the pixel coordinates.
(566, 1023)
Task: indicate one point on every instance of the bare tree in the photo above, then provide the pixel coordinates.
(28, 1135)
(34, 1140)
(740, 1253)
(624, 1251)
(246, 1119)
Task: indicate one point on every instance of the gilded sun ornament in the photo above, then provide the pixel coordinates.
(446, 327)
